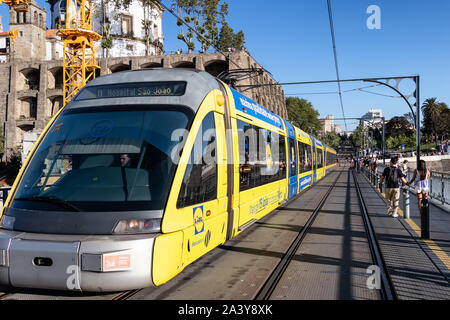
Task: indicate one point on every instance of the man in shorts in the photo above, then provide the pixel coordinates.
(392, 174)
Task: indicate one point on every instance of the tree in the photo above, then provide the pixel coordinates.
(239, 40)
(303, 115)
(225, 37)
(189, 11)
(212, 12)
(435, 120)
(398, 126)
(410, 117)
(332, 139)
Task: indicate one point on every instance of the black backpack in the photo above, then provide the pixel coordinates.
(392, 177)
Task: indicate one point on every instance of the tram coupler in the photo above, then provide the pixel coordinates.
(425, 219)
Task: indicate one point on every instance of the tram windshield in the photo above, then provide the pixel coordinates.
(92, 160)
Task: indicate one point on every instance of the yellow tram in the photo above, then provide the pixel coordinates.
(143, 173)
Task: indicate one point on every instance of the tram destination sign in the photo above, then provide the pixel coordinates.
(131, 90)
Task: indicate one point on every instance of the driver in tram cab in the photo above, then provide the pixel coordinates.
(125, 160)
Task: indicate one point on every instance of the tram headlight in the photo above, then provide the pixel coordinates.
(131, 226)
(7, 222)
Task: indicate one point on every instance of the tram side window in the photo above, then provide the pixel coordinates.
(293, 159)
(200, 179)
(331, 158)
(309, 158)
(282, 158)
(257, 163)
(305, 160)
(314, 154)
(319, 158)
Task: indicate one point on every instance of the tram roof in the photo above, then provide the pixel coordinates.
(199, 84)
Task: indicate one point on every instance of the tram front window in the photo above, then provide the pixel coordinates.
(105, 161)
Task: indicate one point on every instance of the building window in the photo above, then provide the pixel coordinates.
(127, 25)
(155, 32)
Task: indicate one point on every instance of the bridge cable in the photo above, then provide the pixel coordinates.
(330, 17)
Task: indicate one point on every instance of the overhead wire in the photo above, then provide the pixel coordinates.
(333, 39)
(334, 92)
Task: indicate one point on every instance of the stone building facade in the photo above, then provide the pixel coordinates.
(125, 25)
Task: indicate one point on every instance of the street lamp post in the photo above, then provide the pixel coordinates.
(383, 144)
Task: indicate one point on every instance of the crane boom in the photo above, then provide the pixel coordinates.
(17, 5)
(79, 59)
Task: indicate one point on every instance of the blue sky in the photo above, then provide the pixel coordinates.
(291, 39)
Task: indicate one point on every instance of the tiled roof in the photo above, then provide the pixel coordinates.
(50, 33)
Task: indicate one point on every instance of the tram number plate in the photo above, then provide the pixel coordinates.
(116, 262)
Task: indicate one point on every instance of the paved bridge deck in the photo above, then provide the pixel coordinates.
(418, 268)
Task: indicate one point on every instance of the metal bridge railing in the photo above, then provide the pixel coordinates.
(439, 185)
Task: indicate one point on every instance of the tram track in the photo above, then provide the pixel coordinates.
(271, 283)
(126, 295)
(387, 288)
(5, 295)
(387, 291)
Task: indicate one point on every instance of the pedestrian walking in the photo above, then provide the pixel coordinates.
(405, 169)
(392, 174)
(374, 165)
(422, 185)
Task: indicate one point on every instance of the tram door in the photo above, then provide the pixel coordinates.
(293, 184)
(293, 160)
(314, 155)
(198, 203)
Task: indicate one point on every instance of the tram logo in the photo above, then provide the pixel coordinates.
(305, 181)
(101, 129)
(199, 222)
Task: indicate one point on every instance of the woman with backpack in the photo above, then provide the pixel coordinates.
(423, 184)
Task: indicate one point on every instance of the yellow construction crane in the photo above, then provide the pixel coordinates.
(17, 5)
(79, 61)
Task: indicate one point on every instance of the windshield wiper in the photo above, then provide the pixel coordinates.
(62, 202)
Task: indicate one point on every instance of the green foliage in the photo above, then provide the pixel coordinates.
(205, 16)
(239, 40)
(399, 126)
(303, 115)
(436, 119)
(229, 39)
(189, 11)
(396, 142)
(356, 136)
(107, 42)
(332, 139)
(226, 37)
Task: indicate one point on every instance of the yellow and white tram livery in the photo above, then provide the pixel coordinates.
(143, 173)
